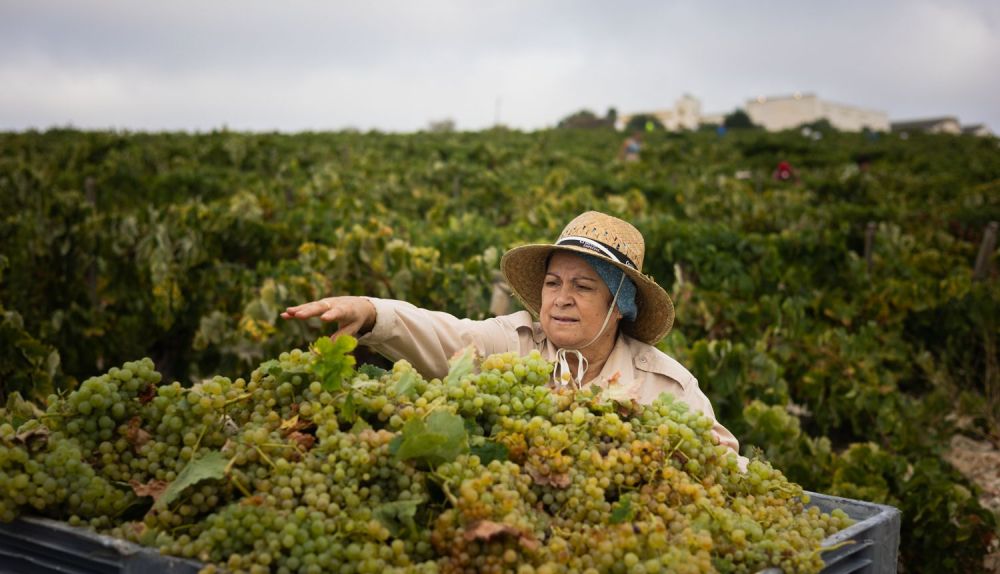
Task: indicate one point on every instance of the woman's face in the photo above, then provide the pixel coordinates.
(574, 303)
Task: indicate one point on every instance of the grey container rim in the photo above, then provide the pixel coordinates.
(49, 545)
(869, 516)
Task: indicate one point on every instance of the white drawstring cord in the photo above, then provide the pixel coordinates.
(562, 375)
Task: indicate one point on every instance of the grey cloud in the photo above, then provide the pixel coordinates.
(396, 64)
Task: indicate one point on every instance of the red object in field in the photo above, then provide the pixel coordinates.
(784, 171)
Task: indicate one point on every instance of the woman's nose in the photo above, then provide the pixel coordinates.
(564, 297)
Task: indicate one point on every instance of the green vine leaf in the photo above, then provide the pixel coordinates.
(441, 438)
(406, 386)
(398, 516)
(211, 466)
(622, 511)
(462, 364)
(489, 451)
(333, 364)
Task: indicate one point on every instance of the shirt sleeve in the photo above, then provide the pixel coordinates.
(695, 397)
(668, 375)
(427, 339)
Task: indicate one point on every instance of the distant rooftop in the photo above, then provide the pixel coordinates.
(974, 128)
(923, 123)
(794, 96)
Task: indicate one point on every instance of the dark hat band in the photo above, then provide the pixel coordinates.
(598, 247)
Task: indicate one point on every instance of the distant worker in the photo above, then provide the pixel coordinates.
(631, 147)
(784, 172)
(863, 161)
(858, 169)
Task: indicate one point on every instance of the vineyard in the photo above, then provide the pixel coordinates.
(845, 325)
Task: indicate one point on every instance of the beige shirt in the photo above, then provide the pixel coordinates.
(427, 339)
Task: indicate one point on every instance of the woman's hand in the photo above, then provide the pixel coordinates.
(354, 316)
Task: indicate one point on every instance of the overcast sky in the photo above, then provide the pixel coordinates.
(396, 65)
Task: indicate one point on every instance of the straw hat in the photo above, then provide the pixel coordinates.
(611, 239)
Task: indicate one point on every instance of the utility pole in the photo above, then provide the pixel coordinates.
(986, 247)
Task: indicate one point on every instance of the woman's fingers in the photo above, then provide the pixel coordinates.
(307, 310)
(352, 314)
(335, 312)
(293, 312)
(347, 329)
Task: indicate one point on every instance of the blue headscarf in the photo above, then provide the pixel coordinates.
(611, 276)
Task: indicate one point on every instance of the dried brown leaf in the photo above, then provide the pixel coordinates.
(294, 424)
(152, 488)
(289, 424)
(35, 433)
(147, 394)
(303, 440)
(544, 477)
(255, 500)
(487, 530)
(134, 433)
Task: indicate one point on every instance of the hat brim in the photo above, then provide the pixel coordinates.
(524, 269)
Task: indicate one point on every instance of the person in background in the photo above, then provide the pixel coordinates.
(784, 172)
(860, 168)
(598, 319)
(629, 152)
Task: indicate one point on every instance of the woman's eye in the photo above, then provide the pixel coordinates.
(550, 283)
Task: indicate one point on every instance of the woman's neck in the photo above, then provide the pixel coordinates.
(597, 356)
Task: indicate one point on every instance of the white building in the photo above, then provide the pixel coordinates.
(771, 113)
(716, 119)
(942, 125)
(981, 130)
(685, 115)
(788, 112)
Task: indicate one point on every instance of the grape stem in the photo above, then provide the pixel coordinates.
(204, 429)
(444, 486)
(266, 458)
(447, 492)
(181, 527)
(673, 450)
(238, 398)
(239, 485)
(280, 445)
(229, 465)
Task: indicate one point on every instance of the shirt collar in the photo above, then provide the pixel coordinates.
(618, 367)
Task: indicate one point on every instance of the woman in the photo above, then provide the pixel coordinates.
(598, 318)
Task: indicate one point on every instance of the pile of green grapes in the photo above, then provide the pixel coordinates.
(314, 466)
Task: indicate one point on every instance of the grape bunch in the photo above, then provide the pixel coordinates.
(311, 465)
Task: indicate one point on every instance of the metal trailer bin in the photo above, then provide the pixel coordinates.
(874, 537)
(32, 545)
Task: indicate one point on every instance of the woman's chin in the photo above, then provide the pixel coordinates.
(565, 340)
